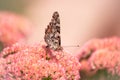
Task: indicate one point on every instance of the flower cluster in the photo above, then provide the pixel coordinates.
(93, 45)
(37, 62)
(105, 59)
(100, 54)
(13, 28)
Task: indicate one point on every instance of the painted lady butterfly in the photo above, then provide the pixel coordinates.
(52, 33)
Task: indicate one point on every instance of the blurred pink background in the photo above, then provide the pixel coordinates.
(81, 20)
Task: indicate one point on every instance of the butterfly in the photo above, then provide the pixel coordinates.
(52, 33)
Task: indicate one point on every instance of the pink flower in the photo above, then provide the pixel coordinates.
(101, 54)
(13, 28)
(37, 62)
(105, 59)
(93, 45)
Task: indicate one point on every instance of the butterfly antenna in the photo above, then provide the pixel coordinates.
(72, 46)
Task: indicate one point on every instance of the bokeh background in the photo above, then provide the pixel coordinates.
(81, 20)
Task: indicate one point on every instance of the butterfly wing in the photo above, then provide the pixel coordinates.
(52, 33)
